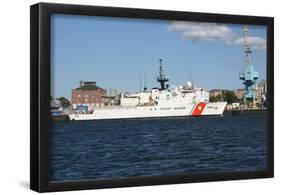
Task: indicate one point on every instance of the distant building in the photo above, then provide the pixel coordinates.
(112, 92)
(88, 94)
(215, 92)
(112, 97)
(261, 89)
(240, 93)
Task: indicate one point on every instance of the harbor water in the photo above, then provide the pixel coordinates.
(107, 149)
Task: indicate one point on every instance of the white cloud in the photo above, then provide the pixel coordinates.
(203, 31)
(254, 42)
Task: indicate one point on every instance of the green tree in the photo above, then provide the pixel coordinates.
(215, 98)
(212, 99)
(219, 98)
(230, 97)
(64, 103)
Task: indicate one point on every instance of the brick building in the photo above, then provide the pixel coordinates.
(88, 94)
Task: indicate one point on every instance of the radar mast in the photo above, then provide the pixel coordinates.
(161, 78)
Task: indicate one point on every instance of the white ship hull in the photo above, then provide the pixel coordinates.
(121, 112)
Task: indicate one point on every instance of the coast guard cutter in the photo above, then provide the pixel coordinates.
(165, 101)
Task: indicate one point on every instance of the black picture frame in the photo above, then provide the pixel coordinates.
(40, 93)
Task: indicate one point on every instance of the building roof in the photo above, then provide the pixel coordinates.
(218, 90)
(89, 87)
(240, 89)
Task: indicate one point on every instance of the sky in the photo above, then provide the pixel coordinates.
(120, 52)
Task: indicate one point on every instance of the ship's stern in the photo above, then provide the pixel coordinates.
(214, 108)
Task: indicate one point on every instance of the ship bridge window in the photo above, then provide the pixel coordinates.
(165, 108)
(179, 108)
(188, 91)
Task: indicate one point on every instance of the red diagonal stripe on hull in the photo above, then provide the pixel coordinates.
(199, 109)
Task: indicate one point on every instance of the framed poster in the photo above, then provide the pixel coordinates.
(133, 97)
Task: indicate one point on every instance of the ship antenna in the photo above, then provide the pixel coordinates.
(140, 82)
(145, 88)
(191, 75)
(161, 78)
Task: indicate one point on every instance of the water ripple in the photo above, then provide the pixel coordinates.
(128, 148)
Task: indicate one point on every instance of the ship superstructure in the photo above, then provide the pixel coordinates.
(165, 101)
